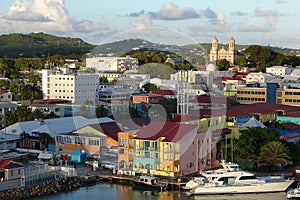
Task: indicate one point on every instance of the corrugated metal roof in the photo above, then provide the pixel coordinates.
(54, 126)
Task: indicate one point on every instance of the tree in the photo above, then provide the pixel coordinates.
(240, 61)
(4, 84)
(148, 87)
(22, 113)
(32, 78)
(101, 111)
(51, 115)
(44, 139)
(10, 118)
(86, 110)
(103, 79)
(274, 154)
(223, 65)
(251, 140)
(170, 106)
(36, 114)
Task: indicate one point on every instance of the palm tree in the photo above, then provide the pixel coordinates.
(101, 111)
(274, 154)
(44, 139)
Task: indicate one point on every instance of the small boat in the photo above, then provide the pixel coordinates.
(193, 183)
(149, 183)
(294, 193)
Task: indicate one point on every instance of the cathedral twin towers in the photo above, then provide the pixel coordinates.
(217, 54)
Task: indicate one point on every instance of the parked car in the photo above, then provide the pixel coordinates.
(108, 165)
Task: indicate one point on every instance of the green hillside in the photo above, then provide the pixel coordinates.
(40, 45)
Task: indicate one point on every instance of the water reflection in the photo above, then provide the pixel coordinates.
(124, 192)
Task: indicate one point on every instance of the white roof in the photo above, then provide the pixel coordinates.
(295, 72)
(253, 123)
(53, 126)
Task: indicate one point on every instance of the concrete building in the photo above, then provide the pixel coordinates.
(5, 107)
(259, 77)
(166, 149)
(76, 88)
(279, 70)
(217, 54)
(288, 96)
(111, 64)
(5, 96)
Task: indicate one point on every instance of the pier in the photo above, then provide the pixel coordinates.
(129, 180)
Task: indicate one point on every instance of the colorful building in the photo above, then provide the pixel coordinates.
(91, 138)
(167, 149)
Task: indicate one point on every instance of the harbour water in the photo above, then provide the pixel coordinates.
(105, 191)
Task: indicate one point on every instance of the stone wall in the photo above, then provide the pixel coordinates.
(45, 188)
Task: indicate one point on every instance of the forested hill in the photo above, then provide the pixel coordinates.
(44, 45)
(41, 45)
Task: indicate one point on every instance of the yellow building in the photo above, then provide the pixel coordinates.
(288, 96)
(126, 150)
(90, 138)
(251, 94)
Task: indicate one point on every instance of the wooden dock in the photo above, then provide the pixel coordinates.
(130, 181)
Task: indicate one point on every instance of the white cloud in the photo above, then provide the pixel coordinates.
(268, 24)
(238, 13)
(44, 15)
(282, 1)
(141, 24)
(89, 26)
(170, 11)
(21, 11)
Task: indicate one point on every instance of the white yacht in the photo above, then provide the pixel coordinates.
(232, 180)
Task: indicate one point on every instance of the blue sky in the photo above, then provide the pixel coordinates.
(264, 22)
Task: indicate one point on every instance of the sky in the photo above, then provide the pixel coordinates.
(262, 22)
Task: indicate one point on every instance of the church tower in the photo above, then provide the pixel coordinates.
(231, 50)
(213, 57)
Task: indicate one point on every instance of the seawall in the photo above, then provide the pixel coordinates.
(41, 189)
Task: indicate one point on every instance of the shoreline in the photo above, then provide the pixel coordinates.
(86, 176)
(45, 188)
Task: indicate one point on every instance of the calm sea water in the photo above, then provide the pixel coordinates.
(106, 191)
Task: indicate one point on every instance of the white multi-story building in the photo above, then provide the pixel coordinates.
(111, 64)
(209, 77)
(279, 70)
(259, 77)
(76, 88)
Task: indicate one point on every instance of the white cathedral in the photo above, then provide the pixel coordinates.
(219, 54)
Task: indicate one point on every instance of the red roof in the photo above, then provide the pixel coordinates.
(110, 129)
(258, 108)
(211, 99)
(171, 131)
(50, 101)
(236, 111)
(138, 123)
(295, 114)
(9, 164)
(164, 92)
(291, 126)
(291, 135)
